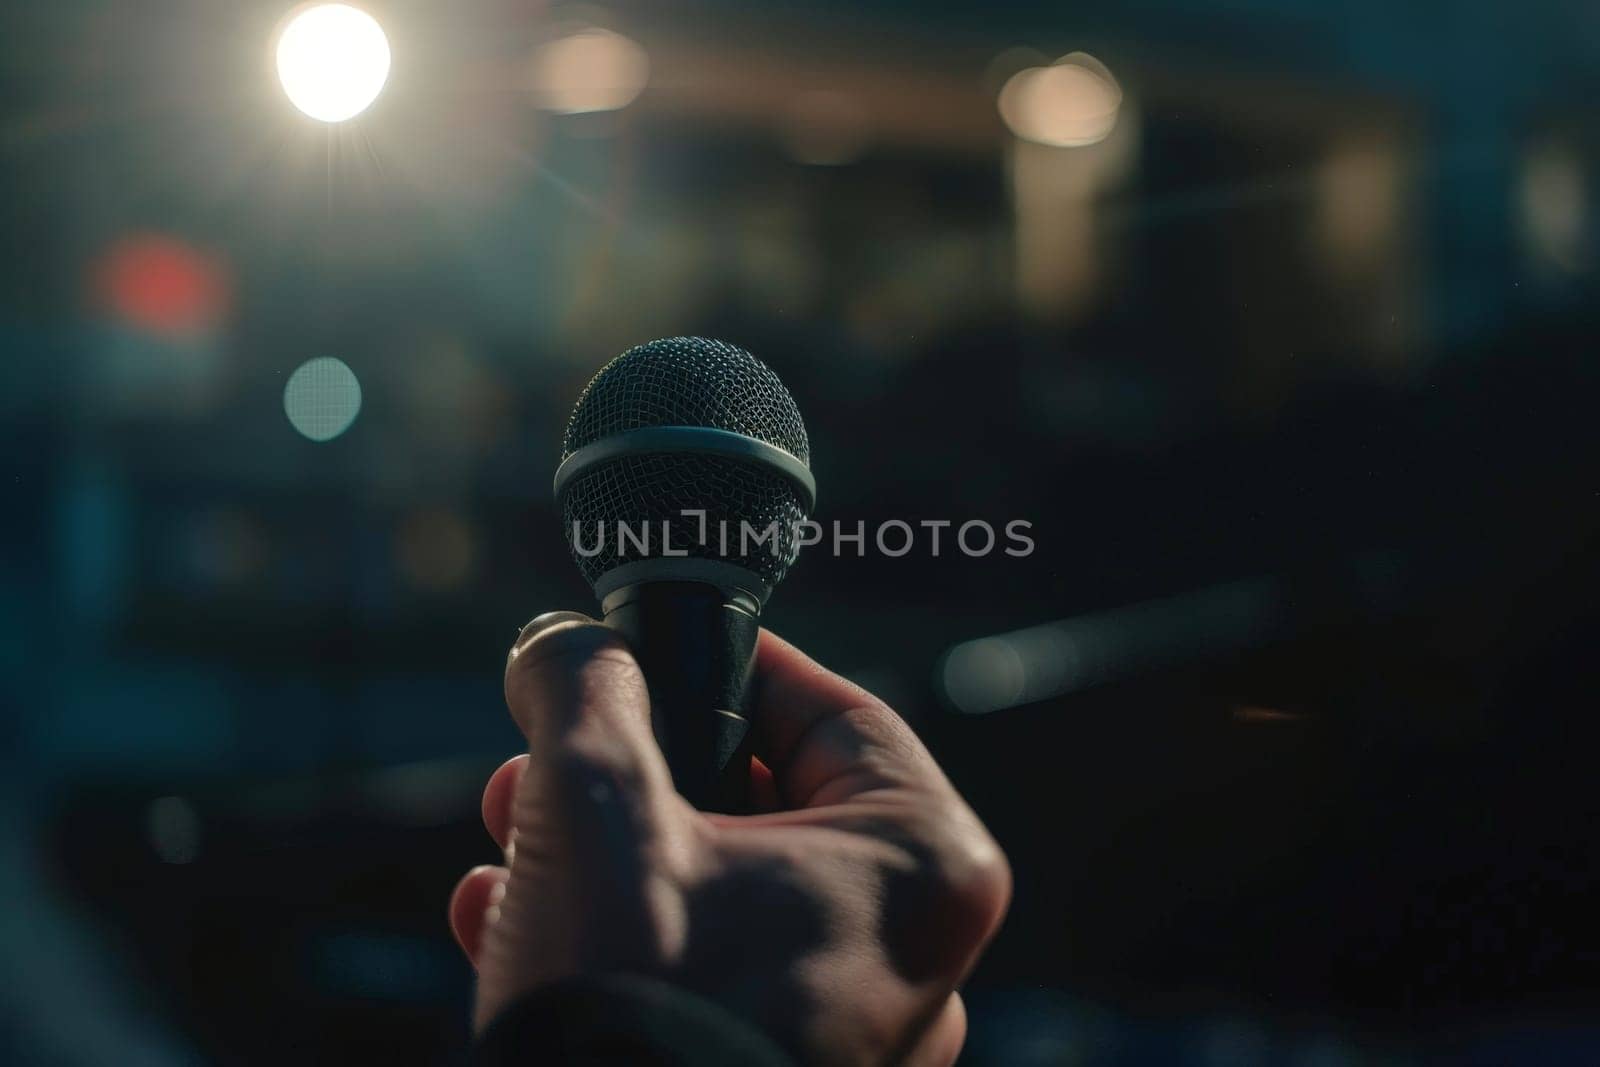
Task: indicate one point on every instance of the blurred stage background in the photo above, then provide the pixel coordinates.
(1276, 318)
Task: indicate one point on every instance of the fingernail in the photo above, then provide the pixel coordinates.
(543, 623)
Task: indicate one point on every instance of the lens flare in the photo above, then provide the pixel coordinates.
(333, 60)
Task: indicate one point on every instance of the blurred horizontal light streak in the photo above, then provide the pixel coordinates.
(1024, 666)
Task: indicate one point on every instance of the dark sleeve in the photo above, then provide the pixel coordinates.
(622, 1019)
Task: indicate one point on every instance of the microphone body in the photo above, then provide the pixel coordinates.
(696, 646)
(698, 441)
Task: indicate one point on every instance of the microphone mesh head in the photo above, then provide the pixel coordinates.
(686, 381)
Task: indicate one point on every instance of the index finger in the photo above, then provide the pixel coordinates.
(825, 738)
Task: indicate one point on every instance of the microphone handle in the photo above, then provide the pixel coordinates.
(696, 645)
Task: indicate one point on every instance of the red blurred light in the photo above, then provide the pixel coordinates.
(161, 285)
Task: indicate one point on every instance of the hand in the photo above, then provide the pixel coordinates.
(841, 924)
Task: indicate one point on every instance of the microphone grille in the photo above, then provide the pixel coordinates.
(652, 490)
(685, 382)
(688, 381)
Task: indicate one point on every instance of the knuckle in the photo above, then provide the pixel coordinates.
(968, 873)
(592, 769)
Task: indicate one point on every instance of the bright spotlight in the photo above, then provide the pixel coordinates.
(333, 60)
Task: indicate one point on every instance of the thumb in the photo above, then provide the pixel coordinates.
(578, 696)
(589, 810)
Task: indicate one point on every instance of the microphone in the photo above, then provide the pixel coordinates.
(684, 478)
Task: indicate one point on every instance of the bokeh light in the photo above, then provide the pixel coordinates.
(322, 399)
(1360, 204)
(161, 285)
(333, 60)
(1071, 103)
(591, 70)
(436, 550)
(984, 675)
(173, 827)
(1554, 205)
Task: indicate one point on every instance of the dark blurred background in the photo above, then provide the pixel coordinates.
(1275, 318)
